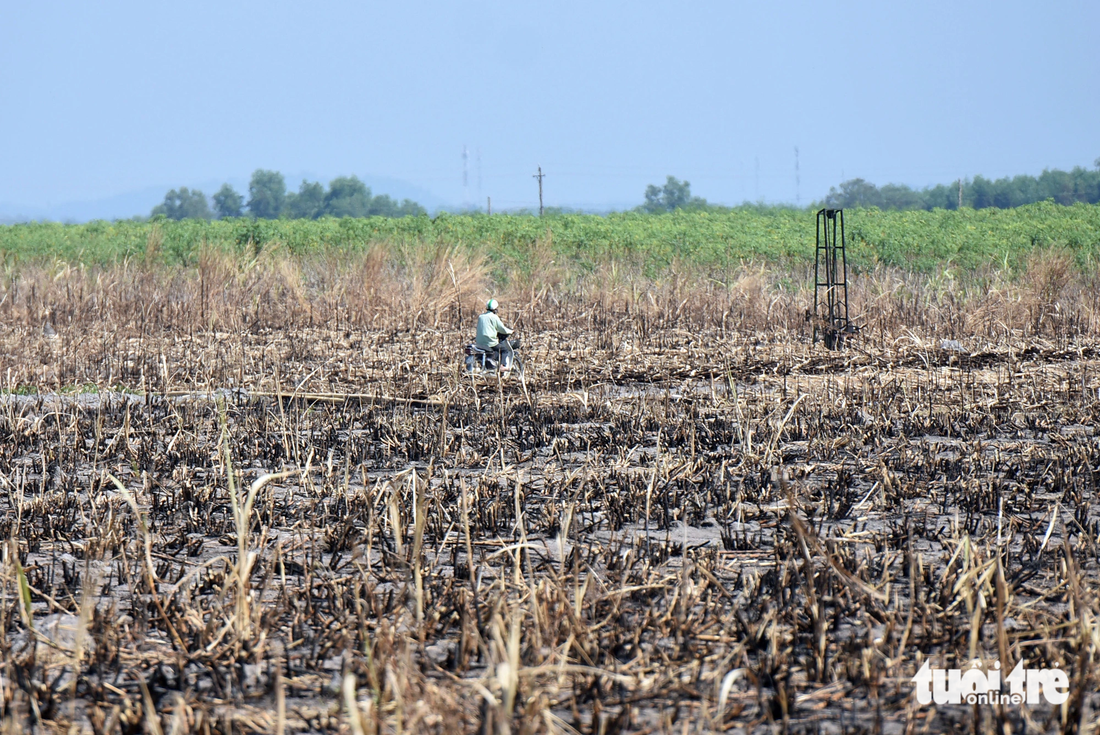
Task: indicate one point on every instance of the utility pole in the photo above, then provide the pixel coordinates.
(539, 176)
(960, 193)
(489, 205)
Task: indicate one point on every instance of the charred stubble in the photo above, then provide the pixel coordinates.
(683, 517)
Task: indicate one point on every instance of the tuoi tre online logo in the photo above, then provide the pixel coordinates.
(978, 686)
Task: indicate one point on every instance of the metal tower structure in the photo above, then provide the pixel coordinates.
(830, 315)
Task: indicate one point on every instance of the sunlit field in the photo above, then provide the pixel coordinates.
(251, 489)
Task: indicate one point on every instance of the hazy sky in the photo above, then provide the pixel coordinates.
(108, 97)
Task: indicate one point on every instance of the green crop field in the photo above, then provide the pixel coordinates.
(914, 240)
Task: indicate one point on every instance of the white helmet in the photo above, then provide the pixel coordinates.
(492, 305)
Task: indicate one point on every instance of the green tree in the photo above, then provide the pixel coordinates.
(227, 202)
(347, 197)
(1057, 185)
(899, 196)
(980, 193)
(852, 194)
(266, 194)
(1019, 191)
(384, 206)
(941, 196)
(308, 203)
(675, 194)
(409, 208)
(1089, 184)
(183, 204)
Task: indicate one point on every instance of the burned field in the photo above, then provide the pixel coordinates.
(672, 523)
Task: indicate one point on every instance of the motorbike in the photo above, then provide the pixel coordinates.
(502, 361)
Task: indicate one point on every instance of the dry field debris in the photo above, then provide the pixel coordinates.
(685, 518)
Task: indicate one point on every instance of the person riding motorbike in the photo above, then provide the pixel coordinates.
(492, 335)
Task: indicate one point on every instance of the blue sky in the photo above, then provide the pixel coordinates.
(101, 99)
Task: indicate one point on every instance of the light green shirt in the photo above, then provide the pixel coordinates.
(488, 325)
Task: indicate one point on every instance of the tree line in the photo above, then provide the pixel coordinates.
(347, 196)
(1064, 187)
(268, 198)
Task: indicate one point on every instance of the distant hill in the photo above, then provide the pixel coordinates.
(118, 206)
